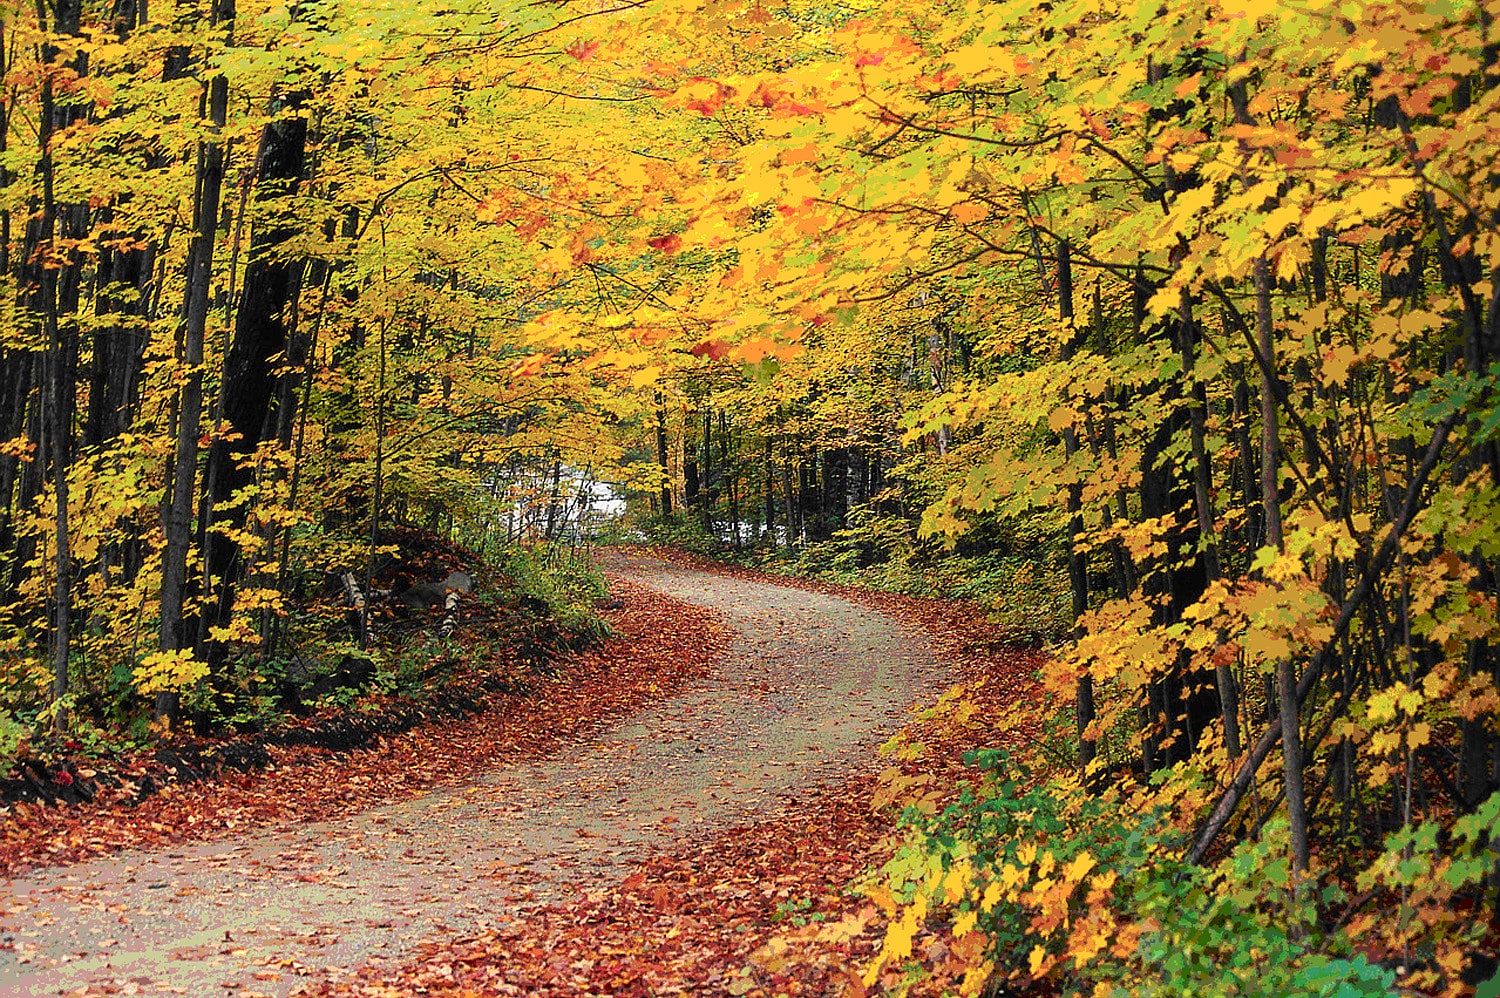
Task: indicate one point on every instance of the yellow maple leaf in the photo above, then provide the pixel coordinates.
(1078, 867)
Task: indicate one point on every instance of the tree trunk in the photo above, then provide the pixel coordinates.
(1187, 333)
(1286, 675)
(177, 520)
(770, 494)
(1078, 577)
(260, 333)
(730, 485)
(661, 457)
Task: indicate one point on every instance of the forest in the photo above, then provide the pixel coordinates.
(1164, 337)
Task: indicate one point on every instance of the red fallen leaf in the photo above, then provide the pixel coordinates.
(63, 778)
(582, 50)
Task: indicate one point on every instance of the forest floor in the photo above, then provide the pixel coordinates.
(693, 829)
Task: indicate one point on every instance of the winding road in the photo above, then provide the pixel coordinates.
(811, 685)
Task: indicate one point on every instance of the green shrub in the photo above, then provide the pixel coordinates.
(568, 586)
(13, 735)
(1092, 893)
(682, 530)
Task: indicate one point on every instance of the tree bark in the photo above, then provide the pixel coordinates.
(661, 457)
(1078, 575)
(177, 517)
(260, 333)
(1286, 676)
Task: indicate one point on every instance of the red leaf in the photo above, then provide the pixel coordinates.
(668, 244)
(712, 349)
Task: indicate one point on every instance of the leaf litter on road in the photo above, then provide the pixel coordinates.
(764, 908)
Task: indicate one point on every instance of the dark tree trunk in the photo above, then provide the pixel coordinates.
(691, 495)
(787, 495)
(661, 457)
(727, 473)
(178, 512)
(710, 493)
(260, 333)
(1078, 574)
(770, 475)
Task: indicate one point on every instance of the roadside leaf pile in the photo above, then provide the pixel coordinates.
(660, 643)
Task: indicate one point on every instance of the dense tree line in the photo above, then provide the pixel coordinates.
(249, 320)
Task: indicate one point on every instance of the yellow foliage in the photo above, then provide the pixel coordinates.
(165, 671)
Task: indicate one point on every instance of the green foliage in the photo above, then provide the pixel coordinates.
(564, 587)
(797, 912)
(13, 735)
(1025, 595)
(680, 529)
(1093, 894)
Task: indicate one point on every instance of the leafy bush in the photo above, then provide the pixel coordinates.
(568, 587)
(1027, 596)
(13, 735)
(1092, 894)
(680, 530)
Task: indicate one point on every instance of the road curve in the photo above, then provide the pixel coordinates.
(811, 685)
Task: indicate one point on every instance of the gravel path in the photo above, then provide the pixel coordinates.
(811, 685)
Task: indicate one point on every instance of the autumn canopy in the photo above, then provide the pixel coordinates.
(1170, 332)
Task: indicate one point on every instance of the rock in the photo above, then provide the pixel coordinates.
(353, 672)
(426, 595)
(422, 596)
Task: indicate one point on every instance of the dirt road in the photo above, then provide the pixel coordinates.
(811, 686)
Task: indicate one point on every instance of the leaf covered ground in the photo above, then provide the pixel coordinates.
(659, 644)
(767, 908)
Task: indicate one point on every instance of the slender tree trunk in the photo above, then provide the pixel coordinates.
(177, 521)
(661, 457)
(730, 485)
(787, 495)
(1187, 331)
(710, 494)
(554, 502)
(51, 288)
(691, 495)
(1078, 575)
(770, 494)
(378, 486)
(1286, 676)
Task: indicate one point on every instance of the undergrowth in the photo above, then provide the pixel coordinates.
(299, 655)
(1013, 577)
